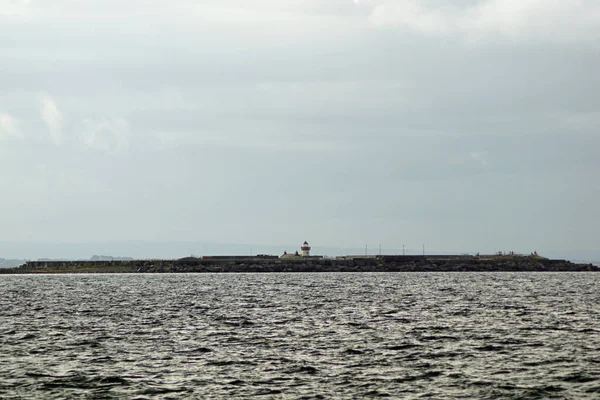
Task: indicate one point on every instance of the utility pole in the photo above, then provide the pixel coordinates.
(402, 249)
(366, 250)
(379, 249)
(423, 250)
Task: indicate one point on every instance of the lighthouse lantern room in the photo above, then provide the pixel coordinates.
(305, 249)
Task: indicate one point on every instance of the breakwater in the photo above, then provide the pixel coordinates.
(264, 264)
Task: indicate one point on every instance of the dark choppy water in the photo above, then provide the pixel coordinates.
(437, 335)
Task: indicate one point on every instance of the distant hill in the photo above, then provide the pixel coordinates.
(92, 258)
(7, 263)
(109, 258)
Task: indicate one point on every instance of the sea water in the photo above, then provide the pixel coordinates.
(308, 335)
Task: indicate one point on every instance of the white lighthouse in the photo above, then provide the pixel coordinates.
(305, 249)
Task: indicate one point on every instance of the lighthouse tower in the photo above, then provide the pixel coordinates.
(305, 249)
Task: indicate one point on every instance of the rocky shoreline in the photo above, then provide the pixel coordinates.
(257, 265)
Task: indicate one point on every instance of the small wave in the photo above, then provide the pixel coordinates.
(359, 325)
(28, 336)
(353, 351)
(90, 343)
(84, 382)
(103, 359)
(38, 375)
(305, 369)
(240, 323)
(545, 362)
(480, 383)
(376, 393)
(543, 392)
(438, 337)
(113, 380)
(534, 344)
(164, 390)
(447, 354)
(400, 320)
(222, 363)
(490, 347)
(403, 347)
(466, 311)
(199, 350)
(588, 330)
(579, 377)
(285, 321)
(267, 392)
(425, 376)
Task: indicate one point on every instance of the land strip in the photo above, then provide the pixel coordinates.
(274, 264)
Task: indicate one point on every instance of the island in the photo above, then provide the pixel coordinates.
(268, 263)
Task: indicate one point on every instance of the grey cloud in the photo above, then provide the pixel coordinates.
(299, 119)
(564, 21)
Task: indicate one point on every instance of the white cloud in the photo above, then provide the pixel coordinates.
(554, 20)
(14, 8)
(8, 126)
(109, 135)
(181, 10)
(480, 158)
(52, 116)
(412, 14)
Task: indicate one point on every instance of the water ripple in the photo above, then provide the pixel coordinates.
(305, 336)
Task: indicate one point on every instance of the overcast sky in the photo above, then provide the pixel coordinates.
(470, 125)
